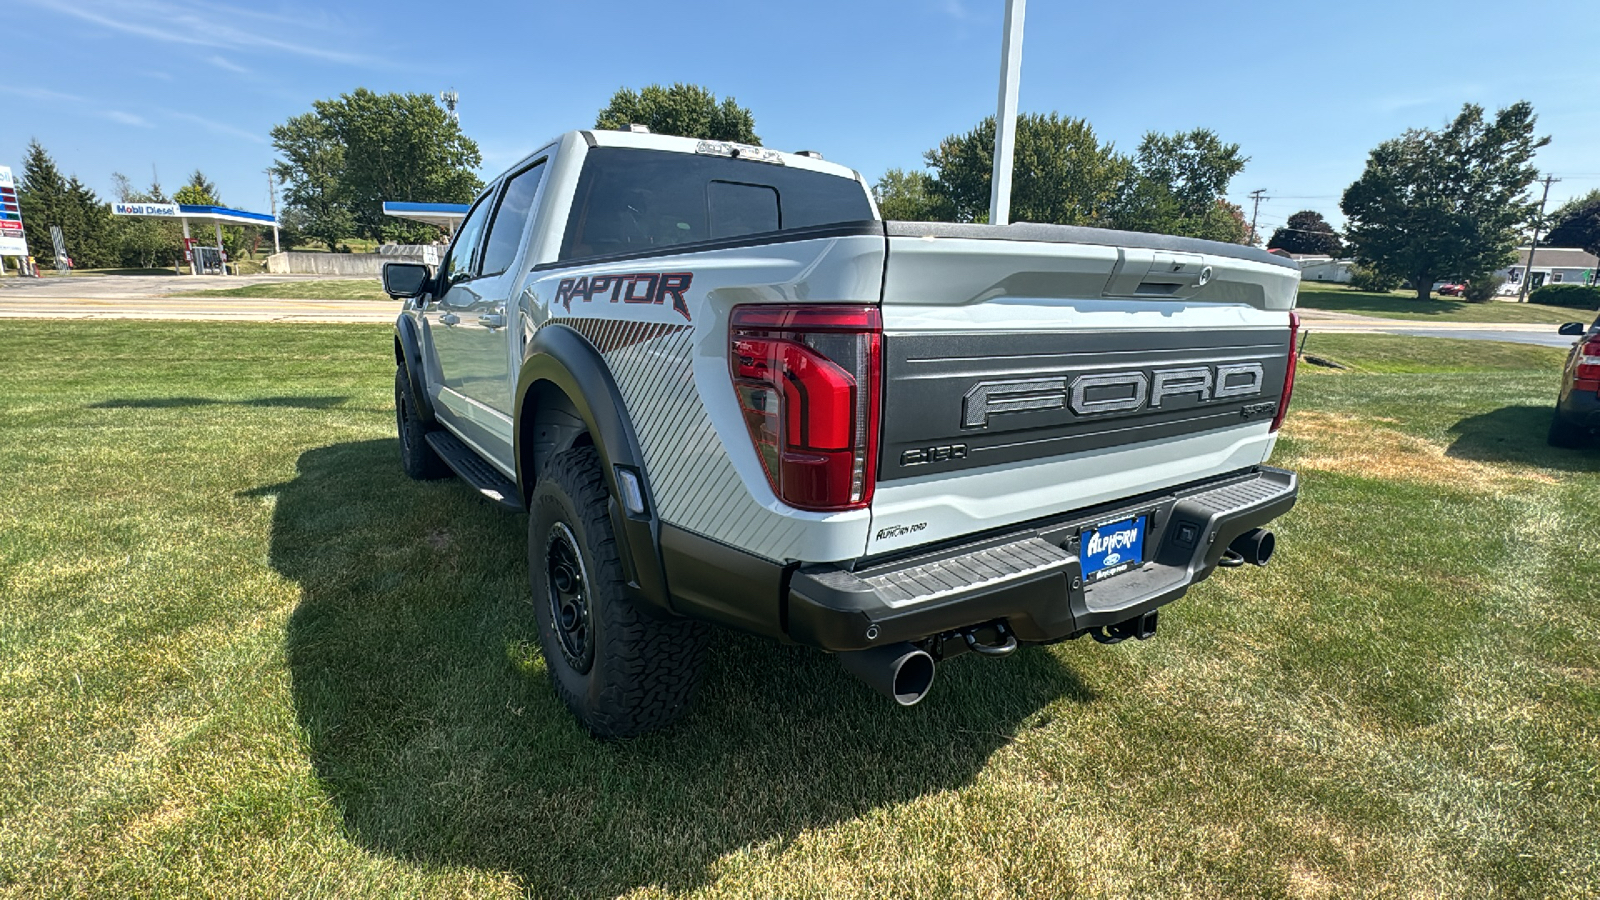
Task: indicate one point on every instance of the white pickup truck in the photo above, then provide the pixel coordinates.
(726, 392)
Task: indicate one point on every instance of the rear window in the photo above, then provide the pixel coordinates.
(639, 201)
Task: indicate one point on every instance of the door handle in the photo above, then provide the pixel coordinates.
(448, 318)
(492, 320)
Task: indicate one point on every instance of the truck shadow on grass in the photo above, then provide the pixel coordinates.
(1516, 434)
(431, 725)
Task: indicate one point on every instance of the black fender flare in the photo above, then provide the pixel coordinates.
(563, 358)
(408, 353)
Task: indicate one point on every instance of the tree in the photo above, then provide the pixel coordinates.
(686, 110)
(907, 196)
(1442, 203)
(1177, 184)
(143, 242)
(1062, 174)
(1577, 223)
(312, 170)
(46, 198)
(344, 158)
(1307, 232)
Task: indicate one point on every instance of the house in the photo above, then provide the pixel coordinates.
(1551, 265)
(1320, 267)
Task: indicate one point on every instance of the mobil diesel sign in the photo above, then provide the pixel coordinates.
(145, 209)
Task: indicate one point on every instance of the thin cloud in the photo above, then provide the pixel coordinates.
(199, 25)
(47, 96)
(217, 127)
(127, 118)
(229, 65)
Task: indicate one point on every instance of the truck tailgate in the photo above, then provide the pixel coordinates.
(1031, 370)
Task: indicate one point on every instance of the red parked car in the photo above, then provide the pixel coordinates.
(1452, 290)
(1578, 406)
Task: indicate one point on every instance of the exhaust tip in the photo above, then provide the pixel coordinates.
(900, 672)
(1256, 546)
(913, 679)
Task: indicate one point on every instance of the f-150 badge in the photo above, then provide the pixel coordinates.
(635, 287)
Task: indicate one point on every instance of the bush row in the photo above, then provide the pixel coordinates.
(1572, 296)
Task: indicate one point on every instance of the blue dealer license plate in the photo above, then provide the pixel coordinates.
(1113, 549)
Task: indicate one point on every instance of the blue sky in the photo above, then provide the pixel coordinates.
(1307, 90)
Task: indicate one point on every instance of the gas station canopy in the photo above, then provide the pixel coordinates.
(216, 214)
(442, 215)
(202, 260)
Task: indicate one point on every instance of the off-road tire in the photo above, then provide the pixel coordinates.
(1565, 434)
(642, 669)
(416, 457)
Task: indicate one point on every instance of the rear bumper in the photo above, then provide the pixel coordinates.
(1581, 408)
(1031, 578)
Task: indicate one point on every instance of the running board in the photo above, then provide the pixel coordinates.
(472, 469)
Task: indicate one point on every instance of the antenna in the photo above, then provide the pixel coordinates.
(450, 98)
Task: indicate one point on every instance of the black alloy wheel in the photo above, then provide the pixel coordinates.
(567, 586)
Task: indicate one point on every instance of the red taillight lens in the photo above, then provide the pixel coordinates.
(1288, 380)
(1587, 376)
(807, 381)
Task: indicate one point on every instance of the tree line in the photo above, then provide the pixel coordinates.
(1430, 204)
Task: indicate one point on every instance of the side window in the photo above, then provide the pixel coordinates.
(505, 232)
(457, 264)
(734, 209)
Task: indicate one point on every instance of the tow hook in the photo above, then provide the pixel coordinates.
(1140, 628)
(1007, 645)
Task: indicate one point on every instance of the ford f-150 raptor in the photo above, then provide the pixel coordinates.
(725, 391)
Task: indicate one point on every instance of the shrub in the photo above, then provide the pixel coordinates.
(1482, 289)
(1573, 296)
(1365, 279)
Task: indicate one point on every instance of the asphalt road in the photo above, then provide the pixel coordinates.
(149, 297)
(1321, 322)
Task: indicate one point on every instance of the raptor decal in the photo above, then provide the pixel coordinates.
(637, 287)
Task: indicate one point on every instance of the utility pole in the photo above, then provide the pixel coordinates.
(1527, 270)
(272, 195)
(1005, 120)
(1258, 196)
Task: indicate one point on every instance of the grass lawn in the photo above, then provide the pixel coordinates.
(1402, 305)
(331, 289)
(242, 656)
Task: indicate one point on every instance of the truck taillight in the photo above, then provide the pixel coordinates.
(1587, 376)
(1288, 379)
(807, 380)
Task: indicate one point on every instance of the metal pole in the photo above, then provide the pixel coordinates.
(220, 263)
(1527, 270)
(1005, 121)
(272, 194)
(193, 262)
(1257, 196)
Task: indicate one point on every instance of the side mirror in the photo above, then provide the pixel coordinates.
(403, 281)
(1572, 328)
